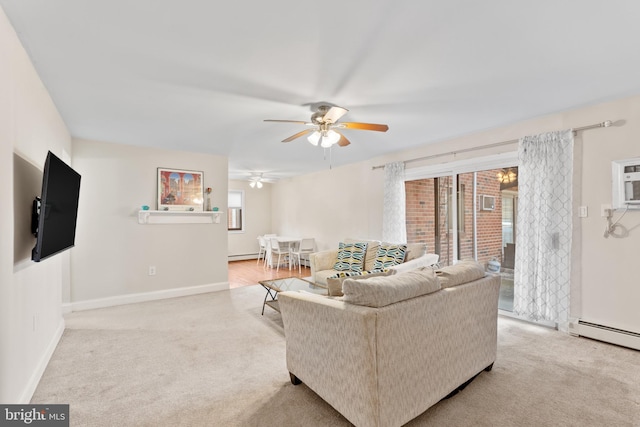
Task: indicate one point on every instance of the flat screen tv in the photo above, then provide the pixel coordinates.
(53, 221)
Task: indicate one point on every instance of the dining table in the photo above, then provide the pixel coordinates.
(280, 239)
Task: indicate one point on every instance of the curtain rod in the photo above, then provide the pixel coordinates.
(604, 124)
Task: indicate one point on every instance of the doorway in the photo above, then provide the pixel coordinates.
(468, 215)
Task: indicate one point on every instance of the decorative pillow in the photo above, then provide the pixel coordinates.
(372, 250)
(415, 250)
(389, 255)
(370, 256)
(381, 291)
(462, 272)
(350, 257)
(334, 283)
(426, 260)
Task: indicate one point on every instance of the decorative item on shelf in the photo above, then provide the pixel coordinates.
(145, 207)
(180, 190)
(215, 209)
(208, 191)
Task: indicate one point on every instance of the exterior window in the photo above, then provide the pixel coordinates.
(236, 214)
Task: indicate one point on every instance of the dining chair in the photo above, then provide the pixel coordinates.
(294, 254)
(307, 246)
(281, 249)
(262, 253)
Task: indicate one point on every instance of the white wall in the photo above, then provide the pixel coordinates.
(30, 293)
(347, 202)
(330, 205)
(257, 220)
(113, 252)
(609, 266)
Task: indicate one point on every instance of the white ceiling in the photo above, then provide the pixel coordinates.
(201, 75)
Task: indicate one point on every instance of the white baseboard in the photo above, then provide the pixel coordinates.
(242, 257)
(34, 380)
(605, 333)
(143, 297)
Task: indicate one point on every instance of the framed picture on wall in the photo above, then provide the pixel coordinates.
(180, 190)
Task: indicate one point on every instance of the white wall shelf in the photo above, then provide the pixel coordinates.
(178, 217)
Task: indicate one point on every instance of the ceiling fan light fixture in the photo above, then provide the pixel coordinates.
(314, 138)
(255, 181)
(330, 138)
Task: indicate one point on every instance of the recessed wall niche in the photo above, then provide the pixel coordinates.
(27, 183)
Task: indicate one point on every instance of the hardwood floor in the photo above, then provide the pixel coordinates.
(247, 272)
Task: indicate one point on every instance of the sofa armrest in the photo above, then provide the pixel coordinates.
(331, 347)
(322, 260)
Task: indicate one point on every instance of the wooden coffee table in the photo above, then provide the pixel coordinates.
(288, 284)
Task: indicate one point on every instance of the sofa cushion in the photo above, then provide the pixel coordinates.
(426, 260)
(350, 256)
(372, 250)
(334, 283)
(459, 273)
(389, 255)
(415, 250)
(322, 277)
(382, 291)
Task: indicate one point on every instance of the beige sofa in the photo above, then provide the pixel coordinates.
(321, 263)
(393, 346)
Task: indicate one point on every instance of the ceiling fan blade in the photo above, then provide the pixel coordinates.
(298, 135)
(285, 121)
(334, 114)
(364, 126)
(343, 142)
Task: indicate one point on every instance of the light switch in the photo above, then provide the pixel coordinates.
(583, 212)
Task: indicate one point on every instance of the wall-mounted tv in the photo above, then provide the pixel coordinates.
(53, 221)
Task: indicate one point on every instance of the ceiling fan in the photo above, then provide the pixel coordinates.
(324, 126)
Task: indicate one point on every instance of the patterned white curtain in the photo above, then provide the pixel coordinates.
(394, 227)
(543, 236)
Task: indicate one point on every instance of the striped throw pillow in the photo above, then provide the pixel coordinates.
(389, 255)
(350, 257)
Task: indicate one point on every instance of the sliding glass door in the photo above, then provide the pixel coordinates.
(428, 213)
(468, 215)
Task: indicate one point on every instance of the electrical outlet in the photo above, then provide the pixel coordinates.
(152, 270)
(604, 209)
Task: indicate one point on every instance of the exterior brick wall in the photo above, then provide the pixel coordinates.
(421, 210)
(489, 222)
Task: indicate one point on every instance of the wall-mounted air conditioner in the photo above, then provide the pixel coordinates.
(487, 203)
(626, 184)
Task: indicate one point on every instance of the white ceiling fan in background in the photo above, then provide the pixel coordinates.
(256, 180)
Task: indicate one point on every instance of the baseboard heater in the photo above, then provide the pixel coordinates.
(242, 257)
(606, 334)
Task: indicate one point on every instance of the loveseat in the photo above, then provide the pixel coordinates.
(322, 263)
(395, 345)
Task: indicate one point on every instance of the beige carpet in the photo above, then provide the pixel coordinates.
(213, 360)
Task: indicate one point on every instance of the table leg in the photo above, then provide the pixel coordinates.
(273, 296)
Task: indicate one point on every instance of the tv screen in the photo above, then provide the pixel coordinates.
(56, 211)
